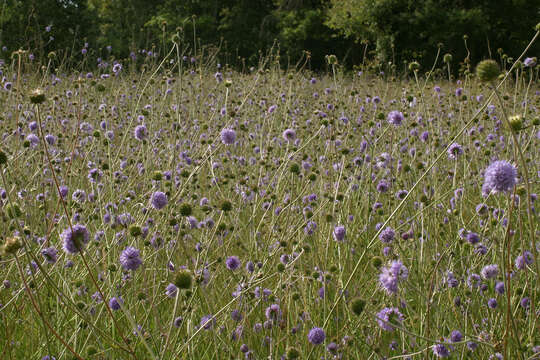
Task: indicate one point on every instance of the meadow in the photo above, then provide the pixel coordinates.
(185, 210)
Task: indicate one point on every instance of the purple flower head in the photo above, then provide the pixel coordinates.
(232, 263)
(316, 336)
(391, 275)
(171, 290)
(75, 238)
(130, 258)
(159, 200)
(529, 62)
(50, 254)
(454, 151)
(388, 316)
(228, 136)
(500, 176)
(115, 303)
(273, 312)
(140, 132)
(387, 235)
(490, 271)
(395, 117)
(523, 260)
(339, 233)
(456, 336)
(207, 322)
(440, 350)
(492, 303)
(289, 135)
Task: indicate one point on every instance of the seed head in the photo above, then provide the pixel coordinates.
(487, 70)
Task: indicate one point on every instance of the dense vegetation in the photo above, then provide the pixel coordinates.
(385, 30)
(175, 208)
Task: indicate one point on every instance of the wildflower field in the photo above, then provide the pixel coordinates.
(184, 210)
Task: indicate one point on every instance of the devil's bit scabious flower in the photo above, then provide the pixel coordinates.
(75, 238)
(388, 316)
(130, 258)
(500, 176)
(140, 132)
(159, 200)
(232, 263)
(316, 336)
(395, 117)
(228, 136)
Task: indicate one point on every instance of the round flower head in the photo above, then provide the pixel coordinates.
(388, 316)
(50, 254)
(440, 350)
(500, 176)
(140, 132)
(454, 151)
(159, 200)
(487, 70)
(228, 136)
(115, 303)
(456, 336)
(232, 263)
(395, 117)
(490, 271)
(207, 322)
(289, 135)
(171, 290)
(75, 238)
(130, 258)
(387, 235)
(529, 62)
(316, 336)
(339, 233)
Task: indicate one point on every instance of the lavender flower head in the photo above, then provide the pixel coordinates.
(388, 316)
(454, 151)
(339, 233)
(289, 135)
(75, 238)
(316, 336)
(140, 132)
(130, 258)
(159, 200)
(500, 176)
(228, 136)
(395, 117)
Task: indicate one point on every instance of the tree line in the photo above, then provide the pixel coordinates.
(383, 31)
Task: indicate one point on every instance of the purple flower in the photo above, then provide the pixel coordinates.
(232, 263)
(500, 176)
(387, 235)
(339, 233)
(523, 260)
(228, 136)
(50, 254)
(490, 271)
(140, 132)
(388, 316)
(289, 135)
(454, 151)
(75, 238)
(171, 290)
(499, 287)
(529, 62)
(207, 322)
(440, 350)
(492, 303)
(456, 336)
(273, 312)
(115, 303)
(130, 258)
(316, 336)
(391, 275)
(159, 200)
(395, 117)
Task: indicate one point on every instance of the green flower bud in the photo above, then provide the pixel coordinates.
(37, 96)
(516, 123)
(447, 58)
(414, 66)
(183, 279)
(487, 70)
